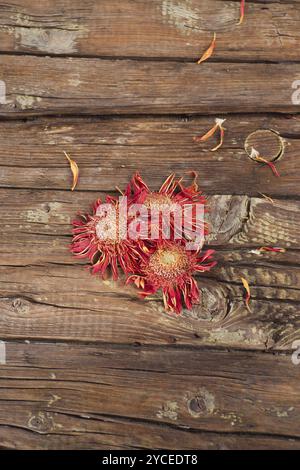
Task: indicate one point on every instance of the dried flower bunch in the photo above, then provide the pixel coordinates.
(152, 263)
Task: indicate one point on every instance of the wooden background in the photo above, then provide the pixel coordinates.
(115, 84)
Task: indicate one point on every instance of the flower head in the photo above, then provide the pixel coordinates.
(177, 203)
(169, 266)
(98, 238)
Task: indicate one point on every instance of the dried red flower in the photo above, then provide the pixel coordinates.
(153, 265)
(169, 266)
(102, 244)
(174, 195)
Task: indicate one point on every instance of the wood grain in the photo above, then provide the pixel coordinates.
(46, 292)
(119, 436)
(109, 150)
(66, 303)
(115, 84)
(93, 86)
(160, 29)
(91, 395)
(235, 221)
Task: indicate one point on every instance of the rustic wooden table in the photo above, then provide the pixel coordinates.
(115, 84)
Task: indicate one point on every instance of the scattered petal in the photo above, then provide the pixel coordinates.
(242, 12)
(274, 249)
(218, 125)
(208, 53)
(222, 132)
(248, 293)
(74, 169)
(257, 158)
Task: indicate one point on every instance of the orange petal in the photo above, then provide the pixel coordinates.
(242, 12)
(208, 53)
(247, 289)
(208, 134)
(221, 140)
(74, 169)
(211, 132)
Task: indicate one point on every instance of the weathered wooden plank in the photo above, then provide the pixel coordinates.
(120, 436)
(160, 28)
(93, 86)
(235, 221)
(66, 303)
(79, 392)
(40, 278)
(109, 151)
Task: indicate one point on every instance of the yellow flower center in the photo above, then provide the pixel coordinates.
(168, 263)
(157, 201)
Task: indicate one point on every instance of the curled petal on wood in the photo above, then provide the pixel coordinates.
(74, 169)
(257, 158)
(248, 293)
(222, 133)
(208, 53)
(242, 12)
(218, 125)
(274, 249)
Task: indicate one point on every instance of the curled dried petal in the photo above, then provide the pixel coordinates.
(274, 249)
(222, 133)
(257, 158)
(208, 53)
(74, 169)
(248, 293)
(208, 134)
(242, 12)
(218, 125)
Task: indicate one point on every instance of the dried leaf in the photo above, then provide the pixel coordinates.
(74, 169)
(208, 53)
(242, 12)
(248, 293)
